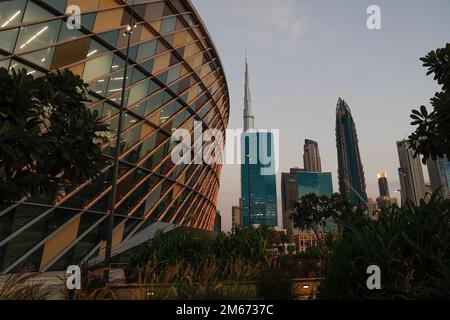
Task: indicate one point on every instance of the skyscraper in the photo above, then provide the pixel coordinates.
(350, 169)
(258, 179)
(311, 156)
(383, 185)
(259, 192)
(411, 174)
(249, 119)
(236, 220)
(289, 195)
(175, 78)
(439, 172)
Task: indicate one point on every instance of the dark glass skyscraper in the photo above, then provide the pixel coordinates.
(318, 183)
(383, 185)
(259, 191)
(350, 169)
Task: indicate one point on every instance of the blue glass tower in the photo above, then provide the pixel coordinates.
(352, 183)
(258, 180)
(318, 183)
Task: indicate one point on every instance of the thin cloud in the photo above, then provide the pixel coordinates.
(268, 20)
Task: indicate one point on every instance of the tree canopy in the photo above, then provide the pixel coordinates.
(48, 136)
(432, 136)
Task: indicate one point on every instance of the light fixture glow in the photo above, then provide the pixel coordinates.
(11, 19)
(34, 37)
(92, 52)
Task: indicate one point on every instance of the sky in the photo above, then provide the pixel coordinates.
(305, 54)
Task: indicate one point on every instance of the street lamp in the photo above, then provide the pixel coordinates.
(112, 202)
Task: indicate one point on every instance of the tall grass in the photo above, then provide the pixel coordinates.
(22, 287)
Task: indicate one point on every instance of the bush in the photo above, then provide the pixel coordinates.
(409, 244)
(169, 249)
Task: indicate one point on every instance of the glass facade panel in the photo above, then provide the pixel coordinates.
(153, 108)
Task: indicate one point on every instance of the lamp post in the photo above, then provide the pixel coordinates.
(112, 202)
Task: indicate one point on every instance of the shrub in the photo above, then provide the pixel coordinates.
(409, 244)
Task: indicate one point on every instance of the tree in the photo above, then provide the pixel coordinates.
(312, 213)
(48, 137)
(432, 136)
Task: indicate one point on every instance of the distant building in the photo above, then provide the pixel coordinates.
(352, 183)
(311, 157)
(289, 195)
(383, 203)
(394, 201)
(411, 174)
(373, 210)
(218, 222)
(318, 183)
(236, 217)
(439, 172)
(306, 240)
(384, 200)
(383, 185)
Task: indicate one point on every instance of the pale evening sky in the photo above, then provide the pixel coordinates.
(304, 54)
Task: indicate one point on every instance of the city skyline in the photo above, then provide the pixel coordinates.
(311, 61)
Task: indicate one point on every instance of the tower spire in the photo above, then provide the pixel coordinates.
(249, 119)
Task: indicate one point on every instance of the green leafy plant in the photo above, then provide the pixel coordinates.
(409, 244)
(432, 136)
(48, 137)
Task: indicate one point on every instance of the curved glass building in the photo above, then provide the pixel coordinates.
(175, 79)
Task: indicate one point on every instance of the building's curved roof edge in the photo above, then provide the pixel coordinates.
(205, 29)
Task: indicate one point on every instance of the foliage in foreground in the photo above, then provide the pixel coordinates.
(48, 137)
(432, 135)
(183, 266)
(170, 248)
(20, 287)
(410, 245)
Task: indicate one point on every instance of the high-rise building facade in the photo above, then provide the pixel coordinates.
(384, 200)
(258, 180)
(383, 185)
(236, 220)
(439, 172)
(311, 156)
(289, 197)
(175, 77)
(318, 183)
(412, 181)
(350, 169)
